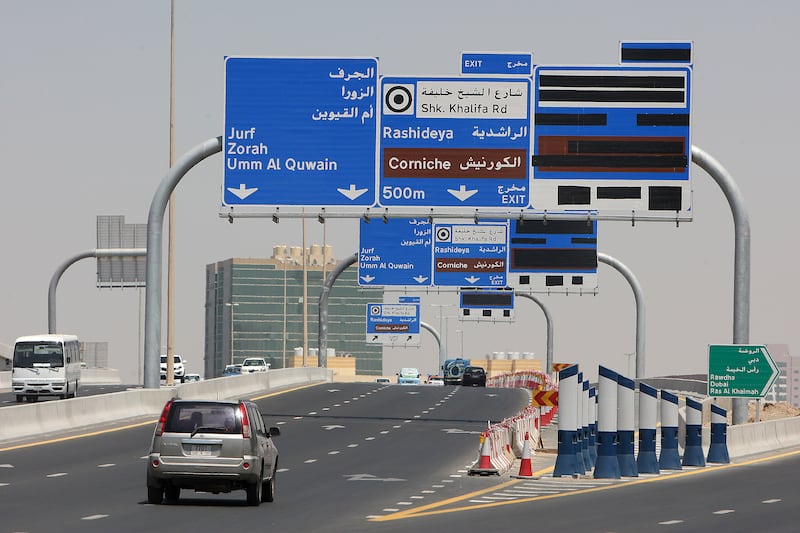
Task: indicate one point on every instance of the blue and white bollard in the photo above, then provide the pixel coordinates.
(670, 459)
(626, 426)
(693, 449)
(567, 458)
(593, 425)
(647, 461)
(607, 465)
(587, 456)
(718, 451)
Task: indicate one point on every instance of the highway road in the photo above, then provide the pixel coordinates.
(369, 457)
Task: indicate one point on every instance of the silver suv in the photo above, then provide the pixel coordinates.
(212, 446)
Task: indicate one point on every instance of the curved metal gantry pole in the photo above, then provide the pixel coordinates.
(155, 226)
(741, 260)
(638, 297)
(101, 252)
(322, 333)
(549, 319)
(438, 341)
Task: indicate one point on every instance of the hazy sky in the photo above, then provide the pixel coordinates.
(84, 131)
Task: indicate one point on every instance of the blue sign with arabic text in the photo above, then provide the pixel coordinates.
(455, 142)
(470, 255)
(300, 131)
(395, 252)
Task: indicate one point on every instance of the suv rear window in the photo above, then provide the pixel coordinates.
(186, 417)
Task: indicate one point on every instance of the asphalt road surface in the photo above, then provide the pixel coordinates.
(370, 457)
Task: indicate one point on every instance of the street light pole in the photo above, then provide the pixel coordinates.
(231, 305)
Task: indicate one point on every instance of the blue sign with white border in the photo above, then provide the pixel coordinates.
(393, 323)
(470, 255)
(395, 252)
(454, 142)
(300, 131)
(614, 139)
(500, 63)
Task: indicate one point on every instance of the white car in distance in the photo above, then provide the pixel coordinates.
(254, 364)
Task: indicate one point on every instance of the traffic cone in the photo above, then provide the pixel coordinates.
(486, 455)
(525, 469)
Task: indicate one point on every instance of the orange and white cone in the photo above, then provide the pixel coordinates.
(525, 469)
(486, 455)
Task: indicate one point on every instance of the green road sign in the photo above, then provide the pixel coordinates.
(740, 370)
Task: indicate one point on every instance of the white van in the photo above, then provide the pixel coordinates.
(46, 365)
(178, 367)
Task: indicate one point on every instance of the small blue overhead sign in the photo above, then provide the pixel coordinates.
(394, 324)
(500, 63)
(470, 255)
(300, 131)
(395, 252)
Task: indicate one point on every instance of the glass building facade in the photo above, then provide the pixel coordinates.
(254, 308)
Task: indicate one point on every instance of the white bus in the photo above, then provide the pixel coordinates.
(45, 365)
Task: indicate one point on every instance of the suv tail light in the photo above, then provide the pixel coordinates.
(162, 420)
(245, 421)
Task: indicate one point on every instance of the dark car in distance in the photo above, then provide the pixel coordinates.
(474, 376)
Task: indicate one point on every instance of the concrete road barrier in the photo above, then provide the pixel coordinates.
(43, 417)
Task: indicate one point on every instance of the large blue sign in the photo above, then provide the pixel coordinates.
(393, 323)
(470, 255)
(300, 131)
(612, 138)
(454, 142)
(395, 252)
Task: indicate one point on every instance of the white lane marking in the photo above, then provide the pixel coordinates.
(384, 432)
(352, 445)
(312, 413)
(437, 486)
(143, 457)
(4, 484)
(425, 412)
(446, 481)
(417, 497)
(369, 438)
(326, 408)
(347, 401)
(282, 470)
(396, 427)
(333, 390)
(309, 461)
(390, 510)
(428, 491)
(282, 422)
(94, 517)
(7, 466)
(455, 475)
(297, 418)
(774, 500)
(416, 416)
(106, 465)
(334, 452)
(670, 522)
(59, 474)
(337, 405)
(405, 503)
(724, 511)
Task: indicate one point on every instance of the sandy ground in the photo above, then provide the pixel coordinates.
(772, 411)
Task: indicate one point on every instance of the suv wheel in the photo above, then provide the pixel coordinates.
(268, 491)
(155, 494)
(254, 492)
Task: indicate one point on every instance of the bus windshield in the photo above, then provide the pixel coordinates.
(38, 355)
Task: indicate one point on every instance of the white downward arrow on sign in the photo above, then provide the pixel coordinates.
(420, 279)
(472, 279)
(367, 279)
(352, 193)
(242, 192)
(462, 193)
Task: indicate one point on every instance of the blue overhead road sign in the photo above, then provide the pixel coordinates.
(470, 255)
(393, 323)
(612, 138)
(395, 252)
(454, 142)
(300, 131)
(501, 63)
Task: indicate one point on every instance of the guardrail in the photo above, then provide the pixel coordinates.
(30, 419)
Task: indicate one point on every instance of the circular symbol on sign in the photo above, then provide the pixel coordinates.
(398, 99)
(375, 310)
(443, 234)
